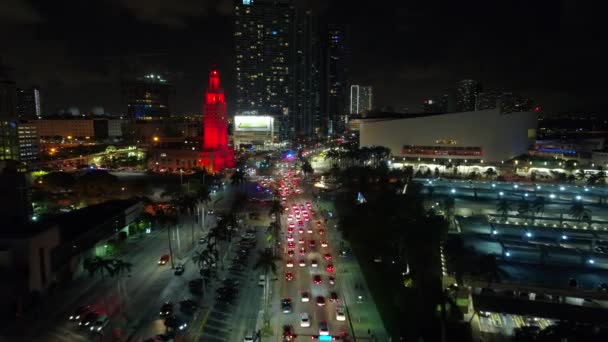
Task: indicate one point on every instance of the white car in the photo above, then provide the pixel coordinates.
(304, 320)
(340, 315)
(314, 263)
(290, 238)
(289, 263)
(309, 231)
(302, 263)
(305, 297)
(249, 338)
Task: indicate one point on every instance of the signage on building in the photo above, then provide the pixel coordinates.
(249, 123)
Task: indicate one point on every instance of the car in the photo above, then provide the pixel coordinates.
(319, 223)
(175, 323)
(289, 263)
(289, 276)
(88, 319)
(99, 324)
(332, 280)
(163, 259)
(290, 230)
(309, 230)
(302, 251)
(290, 218)
(323, 329)
(291, 245)
(302, 263)
(321, 231)
(80, 312)
(327, 256)
(290, 253)
(330, 268)
(291, 225)
(300, 230)
(304, 320)
(179, 269)
(290, 238)
(317, 280)
(305, 297)
(249, 337)
(301, 223)
(314, 263)
(312, 243)
(340, 314)
(166, 309)
(320, 301)
(301, 241)
(288, 334)
(286, 305)
(210, 212)
(323, 243)
(262, 280)
(306, 218)
(333, 297)
(202, 240)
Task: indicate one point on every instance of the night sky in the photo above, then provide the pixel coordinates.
(407, 50)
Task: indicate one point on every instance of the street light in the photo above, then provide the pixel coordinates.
(501, 193)
(453, 191)
(578, 197)
(552, 196)
(591, 261)
(564, 237)
(561, 188)
(529, 234)
(507, 254)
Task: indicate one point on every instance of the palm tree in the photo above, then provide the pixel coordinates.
(539, 205)
(200, 257)
(580, 175)
(120, 268)
(523, 208)
(504, 207)
(277, 209)
(307, 168)
(274, 230)
(266, 262)
(238, 177)
(186, 204)
(99, 265)
(167, 219)
(579, 212)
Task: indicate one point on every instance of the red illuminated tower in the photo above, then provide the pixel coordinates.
(216, 154)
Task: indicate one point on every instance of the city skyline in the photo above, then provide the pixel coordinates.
(405, 56)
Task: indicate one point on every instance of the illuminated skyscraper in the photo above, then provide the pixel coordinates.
(360, 99)
(147, 97)
(466, 95)
(334, 77)
(216, 154)
(263, 29)
(28, 103)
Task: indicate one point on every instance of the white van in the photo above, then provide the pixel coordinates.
(262, 280)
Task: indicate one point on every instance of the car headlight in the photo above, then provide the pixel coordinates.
(91, 328)
(98, 328)
(71, 318)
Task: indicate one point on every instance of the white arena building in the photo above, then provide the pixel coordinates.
(485, 135)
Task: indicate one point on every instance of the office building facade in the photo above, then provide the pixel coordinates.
(466, 95)
(28, 139)
(262, 33)
(334, 77)
(9, 142)
(147, 98)
(28, 103)
(361, 98)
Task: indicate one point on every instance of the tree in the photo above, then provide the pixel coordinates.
(120, 268)
(539, 205)
(307, 168)
(490, 172)
(266, 262)
(579, 212)
(99, 265)
(167, 219)
(523, 208)
(274, 230)
(449, 206)
(503, 207)
(580, 175)
(238, 177)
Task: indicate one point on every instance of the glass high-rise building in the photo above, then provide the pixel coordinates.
(262, 33)
(334, 80)
(28, 103)
(147, 97)
(361, 98)
(466, 95)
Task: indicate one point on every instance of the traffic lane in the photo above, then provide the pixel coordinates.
(97, 295)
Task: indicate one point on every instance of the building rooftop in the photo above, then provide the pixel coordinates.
(72, 224)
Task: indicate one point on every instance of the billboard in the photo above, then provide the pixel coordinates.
(253, 123)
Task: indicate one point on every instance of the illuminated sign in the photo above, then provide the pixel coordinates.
(325, 338)
(246, 2)
(257, 123)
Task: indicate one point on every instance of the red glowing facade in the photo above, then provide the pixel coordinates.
(216, 154)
